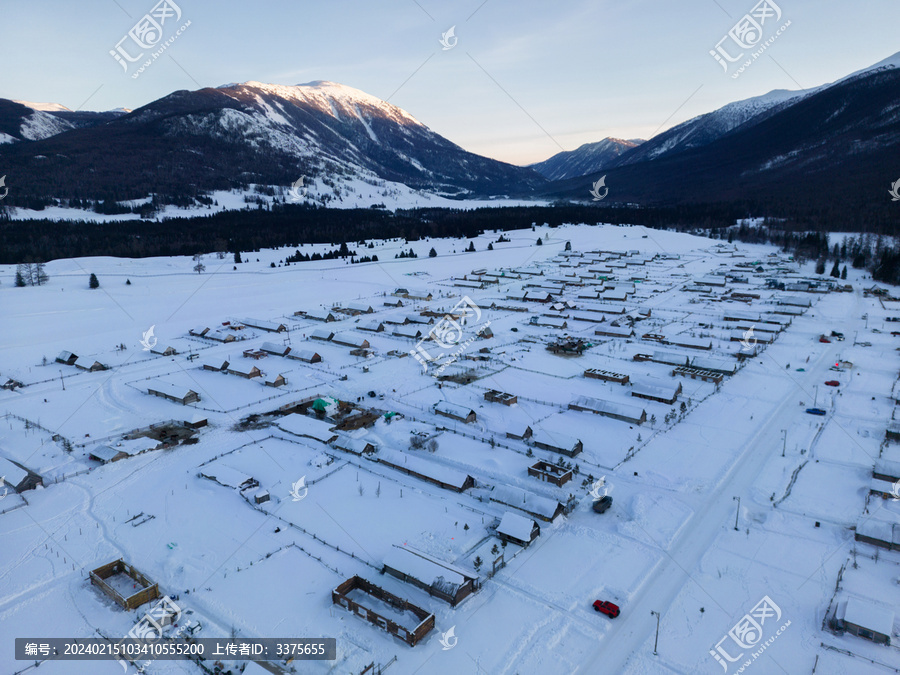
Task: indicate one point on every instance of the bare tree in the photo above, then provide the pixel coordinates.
(432, 445)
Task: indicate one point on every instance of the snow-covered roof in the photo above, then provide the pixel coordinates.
(354, 445)
(175, 390)
(516, 526)
(243, 368)
(225, 475)
(320, 314)
(623, 331)
(553, 321)
(136, 446)
(12, 474)
(407, 331)
(303, 354)
(452, 409)
(424, 467)
(612, 295)
(609, 407)
(688, 341)
(374, 325)
(322, 334)
(359, 306)
(274, 348)
(86, 362)
(424, 569)
(794, 300)
(742, 315)
(524, 500)
(888, 467)
(265, 325)
(349, 339)
(714, 364)
(655, 388)
(869, 615)
(554, 439)
(873, 528)
(303, 425)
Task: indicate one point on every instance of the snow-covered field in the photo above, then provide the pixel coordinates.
(676, 540)
(358, 192)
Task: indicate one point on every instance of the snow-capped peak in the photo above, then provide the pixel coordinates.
(333, 97)
(46, 107)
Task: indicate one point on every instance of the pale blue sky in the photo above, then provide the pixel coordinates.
(525, 79)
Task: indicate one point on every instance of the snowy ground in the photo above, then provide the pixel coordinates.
(667, 545)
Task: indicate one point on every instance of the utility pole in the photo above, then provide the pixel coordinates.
(62, 380)
(816, 399)
(737, 514)
(784, 441)
(656, 641)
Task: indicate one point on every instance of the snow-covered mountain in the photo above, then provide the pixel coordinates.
(831, 151)
(705, 129)
(254, 133)
(586, 159)
(45, 107)
(19, 122)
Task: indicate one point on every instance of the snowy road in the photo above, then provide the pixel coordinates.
(636, 624)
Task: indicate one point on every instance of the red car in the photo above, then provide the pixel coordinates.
(611, 610)
(824, 339)
(833, 383)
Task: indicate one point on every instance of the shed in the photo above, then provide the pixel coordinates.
(18, 477)
(198, 331)
(558, 443)
(615, 331)
(360, 307)
(424, 469)
(518, 529)
(356, 446)
(373, 326)
(519, 431)
(319, 315)
(656, 390)
(534, 505)
(67, 358)
(246, 370)
(617, 411)
(454, 411)
(163, 350)
(350, 340)
(174, 392)
(217, 365)
(867, 620)
(85, 363)
(197, 421)
(689, 342)
(407, 332)
(322, 334)
(276, 349)
(106, 454)
(437, 578)
(307, 427)
(228, 477)
(221, 336)
(886, 469)
(305, 355)
(277, 381)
